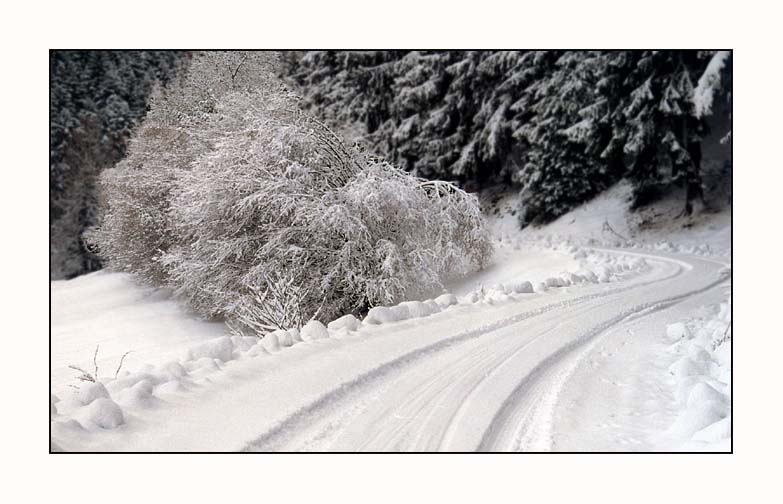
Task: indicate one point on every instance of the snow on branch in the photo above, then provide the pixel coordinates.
(708, 83)
(257, 213)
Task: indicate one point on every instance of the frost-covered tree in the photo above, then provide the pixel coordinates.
(96, 99)
(608, 131)
(283, 202)
(418, 83)
(183, 123)
(257, 213)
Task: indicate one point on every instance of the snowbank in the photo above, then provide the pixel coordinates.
(314, 330)
(589, 266)
(346, 322)
(90, 406)
(409, 310)
(105, 404)
(701, 381)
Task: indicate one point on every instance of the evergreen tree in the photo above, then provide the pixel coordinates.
(664, 136)
(562, 166)
(438, 114)
(714, 86)
(563, 125)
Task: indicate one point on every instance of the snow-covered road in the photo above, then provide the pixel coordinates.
(509, 376)
(492, 386)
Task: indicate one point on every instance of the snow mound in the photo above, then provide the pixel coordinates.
(554, 282)
(138, 396)
(243, 343)
(170, 387)
(409, 310)
(696, 418)
(677, 331)
(686, 366)
(314, 330)
(90, 392)
(347, 322)
(204, 365)
(284, 338)
(257, 351)
(587, 275)
(382, 315)
(218, 348)
(702, 393)
(524, 287)
(270, 342)
(715, 432)
(703, 380)
(102, 413)
(296, 336)
(418, 309)
(446, 300)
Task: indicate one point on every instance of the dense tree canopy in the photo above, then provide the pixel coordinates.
(559, 125)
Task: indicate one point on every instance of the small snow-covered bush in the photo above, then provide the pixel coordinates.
(272, 220)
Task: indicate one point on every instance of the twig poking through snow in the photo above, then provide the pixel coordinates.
(95, 362)
(726, 337)
(608, 227)
(116, 373)
(85, 375)
(93, 377)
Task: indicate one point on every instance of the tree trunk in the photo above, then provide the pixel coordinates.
(693, 186)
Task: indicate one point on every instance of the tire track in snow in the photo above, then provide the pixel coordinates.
(457, 382)
(412, 433)
(515, 427)
(299, 419)
(289, 426)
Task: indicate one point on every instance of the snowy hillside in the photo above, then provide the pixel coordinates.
(608, 218)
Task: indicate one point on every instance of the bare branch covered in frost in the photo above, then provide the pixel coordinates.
(262, 215)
